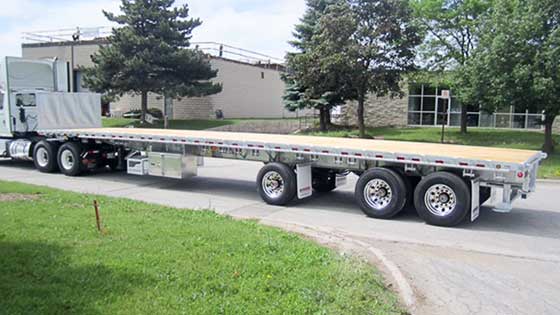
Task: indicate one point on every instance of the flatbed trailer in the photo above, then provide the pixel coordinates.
(446, 183)
(60, 131)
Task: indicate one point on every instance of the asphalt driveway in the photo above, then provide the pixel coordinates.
(501, 264)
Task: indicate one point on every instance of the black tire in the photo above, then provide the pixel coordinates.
(324, 180)
(457, 207)
(47, 162)
(73, 167)
(410, 182)
(288, 179)
(395, 202)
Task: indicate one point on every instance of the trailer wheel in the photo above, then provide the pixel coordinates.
(381, 193)
(44, 156)
(277, 184)
(324, 180)
(442, 199)
(70, 159)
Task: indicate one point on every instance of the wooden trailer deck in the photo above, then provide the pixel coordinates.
(309, 142)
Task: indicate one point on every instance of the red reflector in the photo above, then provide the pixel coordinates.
(379, 156)
(344, 153)
(326, 152)
(439, 162)
(400, 158)
(358, 154)
(464, 164)
(416, 160)
(295, 149)
(307, 150)
(520, 175)
(480, 165)
(261, 146)
(277, 148)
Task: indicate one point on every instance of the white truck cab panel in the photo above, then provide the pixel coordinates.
(34, 95)
(5, 125)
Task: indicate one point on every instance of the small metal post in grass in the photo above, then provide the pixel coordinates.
(97, 216)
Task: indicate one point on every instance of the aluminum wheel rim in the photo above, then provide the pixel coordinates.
(273, 184)
(440, 200)
(42, 157)
(378, 194)
(67, 159)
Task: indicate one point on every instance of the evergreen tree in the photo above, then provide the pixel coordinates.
(304, 91)
(150, 52)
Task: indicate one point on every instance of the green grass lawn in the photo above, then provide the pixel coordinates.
(193, 124)
(159, 260)
(477, 137)
(197, 124)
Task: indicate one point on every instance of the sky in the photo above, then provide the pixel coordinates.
(264, 26)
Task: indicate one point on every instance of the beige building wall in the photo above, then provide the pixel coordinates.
(249, 91)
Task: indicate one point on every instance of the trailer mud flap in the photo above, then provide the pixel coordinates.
(304, 181)
(475, 199)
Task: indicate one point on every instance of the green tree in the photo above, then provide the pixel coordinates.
(370, 44)
(302, 89)
(517, 61)
(451, 29)
(150, 52)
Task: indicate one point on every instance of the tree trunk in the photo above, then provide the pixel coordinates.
(361, 123)
(144, 106)
(328, 118)
(322, 120)
(548, 146)
(464, 121)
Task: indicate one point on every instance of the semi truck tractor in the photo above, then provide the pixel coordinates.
(60, 131)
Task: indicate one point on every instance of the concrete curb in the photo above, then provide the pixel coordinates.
(404, 289)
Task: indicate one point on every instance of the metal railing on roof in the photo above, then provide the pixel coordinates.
(211, 48)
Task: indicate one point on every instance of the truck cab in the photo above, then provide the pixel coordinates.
(21, 80)
(35, 96)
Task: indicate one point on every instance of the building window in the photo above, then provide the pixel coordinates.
(426, 107)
